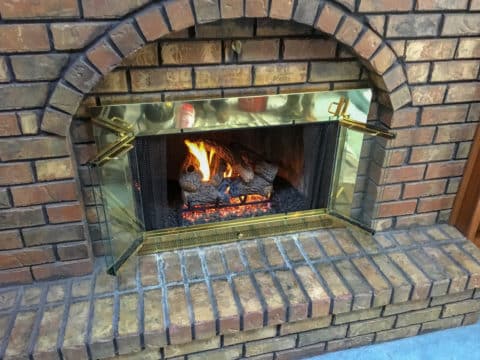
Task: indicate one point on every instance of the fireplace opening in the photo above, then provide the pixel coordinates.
(195, 172)
(190, 179)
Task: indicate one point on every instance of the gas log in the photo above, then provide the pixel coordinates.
(250, 175)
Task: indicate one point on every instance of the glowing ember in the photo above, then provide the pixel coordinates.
(251, 205)
(203, 157)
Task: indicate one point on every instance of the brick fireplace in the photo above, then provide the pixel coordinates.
(58, 59)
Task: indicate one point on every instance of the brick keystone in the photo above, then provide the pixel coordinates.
(152, 24)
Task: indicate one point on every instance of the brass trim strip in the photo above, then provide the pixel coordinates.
(115, 124)
(365, 128)
(118, 148)
(241, 229)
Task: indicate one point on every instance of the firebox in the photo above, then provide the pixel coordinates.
(196, 172)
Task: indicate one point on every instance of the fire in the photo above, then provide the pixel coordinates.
(228, 172)
(203, 157)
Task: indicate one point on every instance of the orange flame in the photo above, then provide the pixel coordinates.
(228, 172)
(203, 156)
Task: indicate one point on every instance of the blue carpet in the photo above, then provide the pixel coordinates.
(460, 343)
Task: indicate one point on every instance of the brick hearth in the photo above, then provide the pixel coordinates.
(292, 296)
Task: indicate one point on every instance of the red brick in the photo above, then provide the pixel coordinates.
(126, 38)
(454, 133)
(329, 19)
(60, 213)
(256, 8)
(180, 331)
(191, 52)
(5, 75)
(463, 92)
(461, 24)
(85, 152)
(161, 79)
(252, 308)
(368, 44)
(280, 73)
(231, 9)
(25, 257)
(349, 31)
(389, 193)
(412, 136)
(275, 306)
(385, 5)
(424, 188)
(114, 82)
(72, 36)
(401, 118)
(455, 70)
(16, 276)
(26, 9)
(424, 219)
(396, 208)
(109, 8)
(54, 169)
(445, 169)
(15, 173)
(432, 49)
(13, 218)
(391, 80)
(418, 72)
(468, 48)
(281, 9)
(441, 4)
(223, 76)
(44, 193)
(445, 114)
(50, 234)
(204, 321)
(404, 173)
(432, 153)
(428, 94)
(152, 24)
(435, 203)
(10, 239)
(72, 251)
(383, 60)
(64, 269)
(24, 37)
(104, 57)
(413, 25)
(254, 50)
(9, 125)
(179, 14)
(56, 122)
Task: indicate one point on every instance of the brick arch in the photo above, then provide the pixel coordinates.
(158, 20)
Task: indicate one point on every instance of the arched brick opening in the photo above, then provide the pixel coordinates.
(158, 20)
(154, 22)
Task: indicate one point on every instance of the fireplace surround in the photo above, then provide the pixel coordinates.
(420, 58)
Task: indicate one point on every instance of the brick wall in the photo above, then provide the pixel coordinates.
(421, 56)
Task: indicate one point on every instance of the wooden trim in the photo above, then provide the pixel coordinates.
(466, 208)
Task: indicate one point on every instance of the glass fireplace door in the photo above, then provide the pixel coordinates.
(196, 172)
